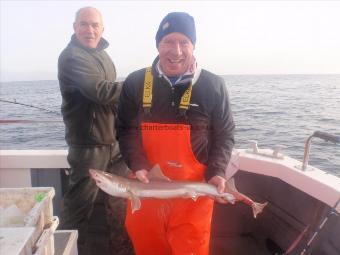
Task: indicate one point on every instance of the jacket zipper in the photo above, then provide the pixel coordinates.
(173, 96)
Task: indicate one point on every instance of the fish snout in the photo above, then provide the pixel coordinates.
(94, 174)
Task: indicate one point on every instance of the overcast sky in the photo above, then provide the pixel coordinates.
(233, 37)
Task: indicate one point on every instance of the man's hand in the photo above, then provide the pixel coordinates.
(219, 182)
(141, 175)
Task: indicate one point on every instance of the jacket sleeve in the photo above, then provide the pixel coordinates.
(222, 136)
(84, 74)
(129, 133)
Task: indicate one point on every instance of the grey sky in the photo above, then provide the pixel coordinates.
(233, 37)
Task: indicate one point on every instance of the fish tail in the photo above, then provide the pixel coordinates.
(258, 208)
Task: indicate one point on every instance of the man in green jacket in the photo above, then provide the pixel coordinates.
(90, 95)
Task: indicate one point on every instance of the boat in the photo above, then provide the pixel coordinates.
(302, 215)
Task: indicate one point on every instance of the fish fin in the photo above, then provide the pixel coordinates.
(135, 202)
(156, 173)
(191, 194)
(258, 208)
(229, 197)
(231, 185)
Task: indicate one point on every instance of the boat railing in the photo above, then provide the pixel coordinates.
(16, 165)
(44, 168)
(322, 135)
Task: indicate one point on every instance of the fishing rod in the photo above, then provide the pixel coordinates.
(292, 248)
(28, 105)
(331, 212)
(15, 121)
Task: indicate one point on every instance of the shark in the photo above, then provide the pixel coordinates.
(161, 187)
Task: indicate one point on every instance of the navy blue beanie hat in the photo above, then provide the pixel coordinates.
(180, 22)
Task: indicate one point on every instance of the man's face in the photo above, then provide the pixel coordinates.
(175, 54)
(88, 28)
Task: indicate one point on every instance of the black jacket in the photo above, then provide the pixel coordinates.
(209, 115)
(89, 94)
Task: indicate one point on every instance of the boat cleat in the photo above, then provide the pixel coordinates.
(266, 152)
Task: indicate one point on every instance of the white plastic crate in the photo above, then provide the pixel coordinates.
(18, 240)
(66, 242)
(31, 208)
(45, 243)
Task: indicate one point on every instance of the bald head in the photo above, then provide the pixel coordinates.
(88, 26)
(83, 10)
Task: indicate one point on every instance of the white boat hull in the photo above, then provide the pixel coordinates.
(297, 200)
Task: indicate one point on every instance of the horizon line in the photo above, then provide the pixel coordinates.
(254, 74)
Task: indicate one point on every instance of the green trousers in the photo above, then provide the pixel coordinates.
(98, 217)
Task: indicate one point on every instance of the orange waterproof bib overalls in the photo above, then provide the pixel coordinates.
(179, 226)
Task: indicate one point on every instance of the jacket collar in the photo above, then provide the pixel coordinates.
(191, 75)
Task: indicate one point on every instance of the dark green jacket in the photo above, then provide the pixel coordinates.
(89, 94)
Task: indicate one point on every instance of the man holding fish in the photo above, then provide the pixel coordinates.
(178, 116)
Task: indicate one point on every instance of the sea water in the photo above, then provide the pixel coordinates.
(271, 109)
